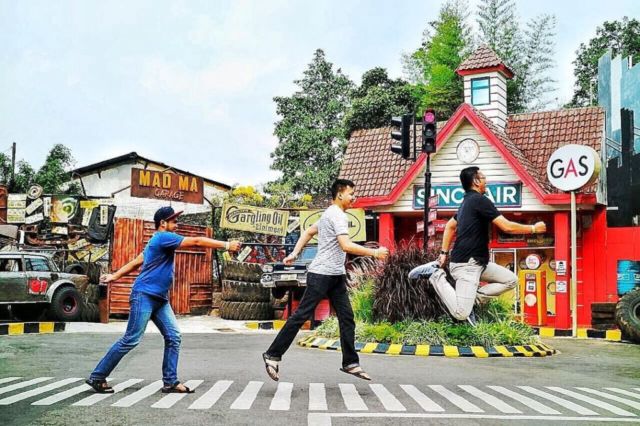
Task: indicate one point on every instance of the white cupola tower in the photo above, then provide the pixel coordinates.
(485, 84)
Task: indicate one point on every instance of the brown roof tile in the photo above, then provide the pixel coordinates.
(482, 57)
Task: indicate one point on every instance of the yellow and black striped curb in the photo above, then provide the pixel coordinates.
(582, 333)
(16, 328)
(277, 325)
(538, 350)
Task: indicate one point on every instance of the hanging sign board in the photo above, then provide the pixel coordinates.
(166, 186)
(356, 217)
(254, 219)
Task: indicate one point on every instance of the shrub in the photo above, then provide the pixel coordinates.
(397, 298)
(362, 300)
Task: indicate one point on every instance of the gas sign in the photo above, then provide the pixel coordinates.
(573, 166)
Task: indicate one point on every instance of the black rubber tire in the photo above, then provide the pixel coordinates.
(628, 315)
(278, 292)
(240, 291)
(604, 326)
(604, 315)
(28, 311)
(246, 310)
(66, 304)
(76, 268)
(91, 270)
(242, 271)
(604, 308)
(92, 293)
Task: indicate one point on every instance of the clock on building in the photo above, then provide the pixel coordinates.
(468, 150)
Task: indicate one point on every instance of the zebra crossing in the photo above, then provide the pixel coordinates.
(402, 399)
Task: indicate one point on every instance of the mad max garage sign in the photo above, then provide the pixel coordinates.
(167, 186)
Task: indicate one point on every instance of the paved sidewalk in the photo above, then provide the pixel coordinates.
(187, 324)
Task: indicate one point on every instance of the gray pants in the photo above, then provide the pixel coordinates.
(468, 275)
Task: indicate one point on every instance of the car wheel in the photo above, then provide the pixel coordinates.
(28, 311)
(66, 304)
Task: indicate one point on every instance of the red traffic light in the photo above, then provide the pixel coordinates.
(429, 116)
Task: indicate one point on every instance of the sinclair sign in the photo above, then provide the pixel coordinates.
(450, 195)
(167, 186)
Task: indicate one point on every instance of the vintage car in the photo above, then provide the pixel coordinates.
(32, 284)
(280, 277)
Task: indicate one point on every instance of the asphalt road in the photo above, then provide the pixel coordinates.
(41, 382)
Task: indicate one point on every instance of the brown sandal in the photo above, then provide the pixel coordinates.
(357, 371)
(176, 389)
(100, 386)
(272, 370)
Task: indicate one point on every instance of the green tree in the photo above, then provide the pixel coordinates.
(311, 129)
(24, 178)
(446, 42)
(528, 52)
(5, 170)
(376, 100)
(53, 175)
(622, 37)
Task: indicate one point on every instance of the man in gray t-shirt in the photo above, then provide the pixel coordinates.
(326, 278)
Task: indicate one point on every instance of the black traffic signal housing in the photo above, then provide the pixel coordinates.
(402, 135)
(429, 130)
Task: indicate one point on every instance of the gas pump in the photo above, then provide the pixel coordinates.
(533, 296)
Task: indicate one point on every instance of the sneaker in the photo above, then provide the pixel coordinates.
(471, 319)
(424, 271)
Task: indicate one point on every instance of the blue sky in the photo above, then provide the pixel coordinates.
(191, 83)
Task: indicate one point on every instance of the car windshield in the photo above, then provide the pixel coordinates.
(308, 253)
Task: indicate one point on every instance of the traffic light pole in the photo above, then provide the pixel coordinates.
(427, 195)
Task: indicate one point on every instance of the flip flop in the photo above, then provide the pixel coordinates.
(272, 370)
(100, 386)
(175, 389)
(356, 371)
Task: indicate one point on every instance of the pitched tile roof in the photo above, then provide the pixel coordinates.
(482, 57)
(539, 134)
(530, 138)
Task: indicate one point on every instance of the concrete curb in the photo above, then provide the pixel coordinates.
(539, 350)
(277, 325)
(583, 333)
(17, 328)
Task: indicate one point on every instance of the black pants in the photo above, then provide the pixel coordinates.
(319, 287)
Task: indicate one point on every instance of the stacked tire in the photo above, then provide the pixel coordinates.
(243, 297)
(603, 316)
(90, 310)
(628, 315)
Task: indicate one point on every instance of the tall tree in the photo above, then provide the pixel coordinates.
(53, 175)
(376, 100)
(24, 178)
(446, 42)
(528, 52)
(311, 131)
(622, 37)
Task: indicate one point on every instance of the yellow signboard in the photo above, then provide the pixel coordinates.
(254, 219)
(357, 227)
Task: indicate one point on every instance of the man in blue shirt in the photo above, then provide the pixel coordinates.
(149, 301)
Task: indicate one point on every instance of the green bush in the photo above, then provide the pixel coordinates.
(362, 300)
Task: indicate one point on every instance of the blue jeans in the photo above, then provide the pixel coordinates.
(144, 308)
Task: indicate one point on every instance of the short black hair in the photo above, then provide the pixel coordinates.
(467, 176)
(339, 185)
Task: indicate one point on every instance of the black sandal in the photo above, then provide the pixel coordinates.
(174, 389)
(272, 370)
(100, 386)
(357, 371)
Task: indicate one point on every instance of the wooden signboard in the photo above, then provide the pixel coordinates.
(166, 186)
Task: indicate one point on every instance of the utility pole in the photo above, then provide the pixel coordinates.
(13, 165)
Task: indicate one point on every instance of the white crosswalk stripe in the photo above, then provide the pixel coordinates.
(490, 399)
(521, 401)
(169, 400)
(248, 395)
(95, 398)
(387, 399)
(634, 404)
(63, 395)
(624, 392)
(210, 397)
(282, 399)
(592, 401)
(560, 401)
(9, 379)
(138, 396)
(529, 402)
(38, 391)
(21, 385)
(352, 399)
(317, 397)
(423, 400)
(456, 399)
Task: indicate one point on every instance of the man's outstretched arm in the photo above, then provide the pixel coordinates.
(129, 267)
(209, 243)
